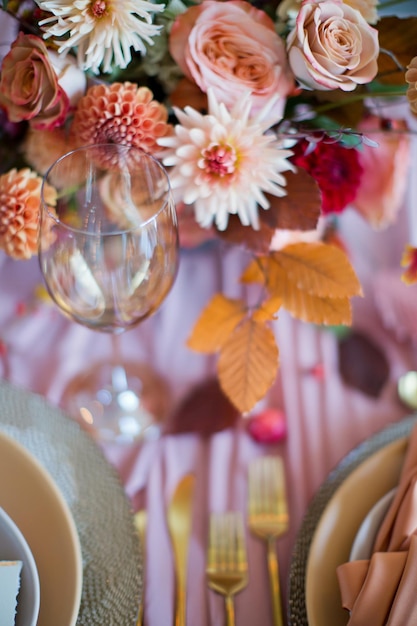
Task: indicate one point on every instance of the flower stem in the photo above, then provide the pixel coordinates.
(357, 98)
(390, 3)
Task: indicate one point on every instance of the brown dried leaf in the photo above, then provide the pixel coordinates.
(320, 269)
(248, 364)
(204, 410)
(300, 208)
(398, 36)
(258, 241)
(216, 322)
(363, 364)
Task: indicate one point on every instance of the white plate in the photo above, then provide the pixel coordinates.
(366, 535)
(30, 497)
(14, 547)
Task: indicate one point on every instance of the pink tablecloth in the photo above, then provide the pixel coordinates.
(41, 351)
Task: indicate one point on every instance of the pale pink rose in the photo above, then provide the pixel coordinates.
(29, 88)
(332, 46)
(232, 47)
(385, 173)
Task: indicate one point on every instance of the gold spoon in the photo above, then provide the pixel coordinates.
(179, 516)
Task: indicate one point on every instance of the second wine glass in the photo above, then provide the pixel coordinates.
(108, 253)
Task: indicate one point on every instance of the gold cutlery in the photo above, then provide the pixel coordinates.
(268, 517)
(227, 564)
(179, 517)
(140, 525)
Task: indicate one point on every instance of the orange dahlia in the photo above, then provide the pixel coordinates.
(42, 148)
(20, 192)
(120, 113)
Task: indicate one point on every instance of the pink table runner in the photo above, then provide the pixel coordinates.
(41, 351)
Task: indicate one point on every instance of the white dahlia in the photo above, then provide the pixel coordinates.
(102, 31)
(224, 162)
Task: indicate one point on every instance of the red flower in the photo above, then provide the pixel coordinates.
(335, 168)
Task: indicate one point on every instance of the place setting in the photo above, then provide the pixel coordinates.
(343, 523)
(70, 509)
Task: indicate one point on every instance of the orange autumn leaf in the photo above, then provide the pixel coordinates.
(298, 302)
(267, 311)
(320, 269)
(217, 320)
(316, 310)
(264, 270)
(255, 272)
(248, 364)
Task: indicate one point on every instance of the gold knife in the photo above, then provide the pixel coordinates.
(140, 525)
(179, 518)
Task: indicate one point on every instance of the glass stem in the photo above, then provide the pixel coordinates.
(118, 374)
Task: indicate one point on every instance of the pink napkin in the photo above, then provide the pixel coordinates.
(382, 590)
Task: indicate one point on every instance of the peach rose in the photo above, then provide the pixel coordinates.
(232, 47)
(29, 88)
(332, 46)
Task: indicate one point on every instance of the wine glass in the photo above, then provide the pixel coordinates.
(108, 252)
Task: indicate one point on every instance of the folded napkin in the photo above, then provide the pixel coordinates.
(382, 590)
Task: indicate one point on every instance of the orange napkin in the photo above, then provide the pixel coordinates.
(382, 590)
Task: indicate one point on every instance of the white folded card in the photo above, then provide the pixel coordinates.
(9, 588)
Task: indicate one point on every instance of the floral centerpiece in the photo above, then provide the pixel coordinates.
(264, 114)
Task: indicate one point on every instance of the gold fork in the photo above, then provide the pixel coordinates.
(268, 517)
(227, 564)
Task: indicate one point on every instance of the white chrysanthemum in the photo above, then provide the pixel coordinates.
(102, 31)
(223, 163)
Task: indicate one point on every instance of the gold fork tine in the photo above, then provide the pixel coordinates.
(268, 517)
(227, 564)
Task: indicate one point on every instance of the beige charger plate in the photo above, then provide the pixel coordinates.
(332, 521)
